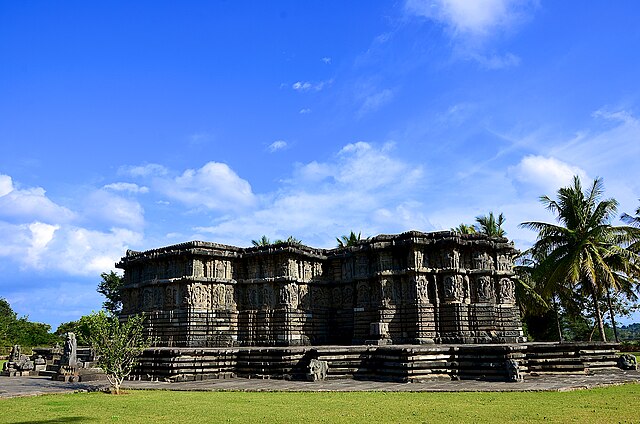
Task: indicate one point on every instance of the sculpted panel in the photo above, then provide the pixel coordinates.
(507, 291)
(453, 288)
(484, 289)
(422, 290)
(363, 294)
(452, 259)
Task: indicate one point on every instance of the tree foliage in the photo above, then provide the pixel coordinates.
(111, 287)
(351, 240)
(118, 345)
(81, 328)
(490, 225)
(464, 229)
(14, 330)
(584, 256)
(264, 241)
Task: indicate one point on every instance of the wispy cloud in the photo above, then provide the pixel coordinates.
(326, 60)
(477, 18)
(472, 24)
(143, 170)
(375, 101)
(277, 145)
(128, 187)
(303, 86)
(364, 186)
(304, 111)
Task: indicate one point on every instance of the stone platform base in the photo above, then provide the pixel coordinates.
(401, 363)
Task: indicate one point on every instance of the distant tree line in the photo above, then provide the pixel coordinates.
(19, 330)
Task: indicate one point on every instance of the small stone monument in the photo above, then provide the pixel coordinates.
(317, 370)
(627, 362)
(69, 361)
(379, 332)
(513, 371)
(18, 364)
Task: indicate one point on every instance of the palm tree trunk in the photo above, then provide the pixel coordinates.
(596, 306)
(613, 320)
(555, 307)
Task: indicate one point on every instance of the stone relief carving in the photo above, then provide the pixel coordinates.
(362, 266)
(507, 291)
(453, 290)
(452, 259)
(230, 297)
(504, 263)
(385, 261)
(268, 296)
(336, 297)
(289, 295)
(303, 295)
(482, 260)
(319, 297)
(484, 289)
(347, 297)
(347, 270)
(363, 294)
(422, 290)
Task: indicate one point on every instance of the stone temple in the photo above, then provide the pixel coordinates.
(413, 288)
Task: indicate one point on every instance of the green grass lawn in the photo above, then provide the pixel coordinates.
(610, 404)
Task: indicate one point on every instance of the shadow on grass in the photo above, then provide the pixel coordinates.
(57, 420)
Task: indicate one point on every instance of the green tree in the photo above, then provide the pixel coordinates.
(351, 240)
(290, 239)
(489, 225)
(7, 318)
(584, 253)
(81, 328)
(118, 345)
(264, 241)
(111, 288)
(464, 229)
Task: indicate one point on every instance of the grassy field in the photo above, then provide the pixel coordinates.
(612, 404)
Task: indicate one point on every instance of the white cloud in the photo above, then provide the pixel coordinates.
(111, 209)
(547, 173)
(151, 169)
(305, 111)
(375, 101)
(311, 86)
(476, 18)
(6, 185)
(495, 61)
(214, 186)
(29, 204)
(326, 60)
(615, 143)
(277, 145)
(325, 199)
(129, 187)
(41, 235)
(70, 249)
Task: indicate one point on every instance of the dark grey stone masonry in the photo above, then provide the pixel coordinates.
(410, 288)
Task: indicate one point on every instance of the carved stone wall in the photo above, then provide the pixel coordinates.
(413, 288)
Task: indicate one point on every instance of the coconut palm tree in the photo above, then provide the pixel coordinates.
(464, 229)
(263, 241)
(351, 240)
(489, 225)
(583, 251)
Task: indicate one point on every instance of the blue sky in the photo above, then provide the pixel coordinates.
(142, 125)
